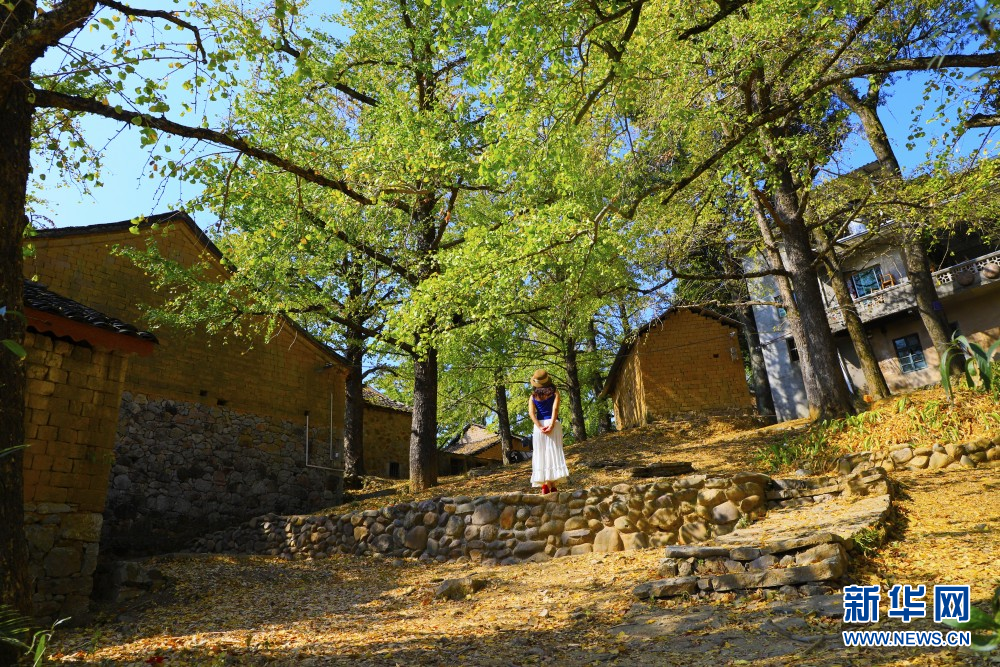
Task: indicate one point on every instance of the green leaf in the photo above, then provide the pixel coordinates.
(978, 620)
(14, 347)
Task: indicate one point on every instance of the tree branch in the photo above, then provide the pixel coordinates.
(30, 42)
(364, 249)
(52, 99)
(982, 120)
(159, 14)
(725, 9)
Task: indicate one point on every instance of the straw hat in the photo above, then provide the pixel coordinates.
(541, 379)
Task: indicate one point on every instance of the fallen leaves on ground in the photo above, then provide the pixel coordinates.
(255, 611)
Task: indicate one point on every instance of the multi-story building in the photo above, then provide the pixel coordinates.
(966, 272)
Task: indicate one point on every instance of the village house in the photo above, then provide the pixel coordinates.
(685, 360)
(967, 279)
(387, 425)
(476, 446)
(76, 366)
(211, 430)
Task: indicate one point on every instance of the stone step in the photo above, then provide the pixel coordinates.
(821, 562)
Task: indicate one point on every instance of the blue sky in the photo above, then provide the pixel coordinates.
(129, 192)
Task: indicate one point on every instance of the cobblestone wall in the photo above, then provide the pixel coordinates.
(515, 527)
(184, 468)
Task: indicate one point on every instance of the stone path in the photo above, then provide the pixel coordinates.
(807, 631)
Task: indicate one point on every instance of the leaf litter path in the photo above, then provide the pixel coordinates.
(224, 610)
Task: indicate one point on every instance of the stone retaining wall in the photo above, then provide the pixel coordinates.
(516, 527)
(184, 468)
(982, 451)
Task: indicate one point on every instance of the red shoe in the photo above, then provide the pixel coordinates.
(545, 489)
(553, 489)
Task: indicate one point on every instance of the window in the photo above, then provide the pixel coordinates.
(867, 280)
(910, 353)
(393, 470)
(793, 352)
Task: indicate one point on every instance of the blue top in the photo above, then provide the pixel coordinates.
(543, 409)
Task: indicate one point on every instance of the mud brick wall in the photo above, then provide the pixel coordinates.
(280, 376)
(386, 440)
(692, 364)
(686, 363)
(71, 416)
(213, 427)
(182, 469)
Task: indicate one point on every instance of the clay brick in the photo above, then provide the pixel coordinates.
(43, 388)
(65, 480)
(57, 375)
(50, 494)
(40, 462)
(65, 420)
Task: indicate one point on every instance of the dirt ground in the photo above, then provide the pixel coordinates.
(223, 610)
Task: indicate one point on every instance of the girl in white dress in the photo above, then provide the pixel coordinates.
(548, 463)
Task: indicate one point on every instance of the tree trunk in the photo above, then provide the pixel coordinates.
(354, 415)
(423, 433)
(574, 391)
(503, 419)
(762, 385)
(604, 424)
(914, 252)
(787, 298)
(831, 397)
(15, 158)
(931, 311)
(874, 379)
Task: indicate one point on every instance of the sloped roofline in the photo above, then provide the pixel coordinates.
(376, 399)
(51, 313)
(487, 443)
(203, 239)
(626, 347)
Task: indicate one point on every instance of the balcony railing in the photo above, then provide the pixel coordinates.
(968, 273)
(897, 298)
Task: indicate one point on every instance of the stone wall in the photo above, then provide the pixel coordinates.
(515, 527)
(71, 414)
(983, 451)
(387, 440)
(184, 468)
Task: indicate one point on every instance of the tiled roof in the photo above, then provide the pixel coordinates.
(475, 439)
(37, 296)
(380, 400)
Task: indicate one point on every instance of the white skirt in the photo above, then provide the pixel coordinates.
(548, 463)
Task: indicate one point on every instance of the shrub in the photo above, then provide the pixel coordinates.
(978, 364)
(988, 626)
